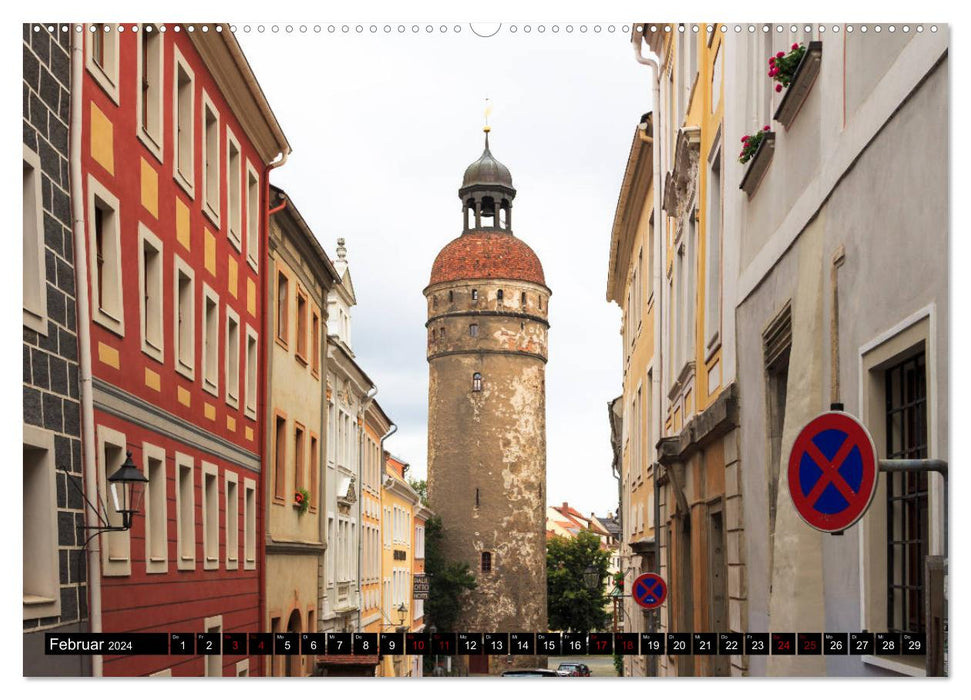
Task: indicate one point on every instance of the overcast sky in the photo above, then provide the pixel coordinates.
(382, 128)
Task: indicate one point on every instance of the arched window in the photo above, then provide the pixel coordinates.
(523, 299)
(441, 332)
(451, 296)
(486, 562)
(434, 302)
(475, 295)
(499, 295)
(474, 330)
(476, 382)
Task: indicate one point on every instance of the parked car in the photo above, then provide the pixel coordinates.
(572, 669)
(529, 673)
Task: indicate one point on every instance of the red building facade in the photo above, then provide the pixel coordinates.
(176, 145)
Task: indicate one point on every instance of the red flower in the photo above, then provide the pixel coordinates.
(778, 88)
(298, 497)
(766, 127)
(774, 72)
(744, 139)
(772, 60)
(795, 46)
(780, 54)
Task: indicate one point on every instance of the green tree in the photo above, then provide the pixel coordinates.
(448, 582)
(571, 605)
(421, 486)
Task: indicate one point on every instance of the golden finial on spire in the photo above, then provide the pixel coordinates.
(488, 110)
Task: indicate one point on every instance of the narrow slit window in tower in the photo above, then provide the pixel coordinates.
(476, 382)
(486, 562)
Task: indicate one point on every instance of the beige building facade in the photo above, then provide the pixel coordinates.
(301, 275)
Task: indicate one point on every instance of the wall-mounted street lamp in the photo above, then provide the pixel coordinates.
(402, 611)
(127, 489)
(591, 577)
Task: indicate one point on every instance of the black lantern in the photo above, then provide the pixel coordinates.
(402, 611)
(127, 487)
(591, 577)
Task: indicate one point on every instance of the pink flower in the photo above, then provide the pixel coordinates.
(778, 88)
(795, 46)
(765, 128)
(780, 54)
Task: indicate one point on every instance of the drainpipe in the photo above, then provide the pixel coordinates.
(360, 501)
(84, 346)
(263, 404)
(659, 230)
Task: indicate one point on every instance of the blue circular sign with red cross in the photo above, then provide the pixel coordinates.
(832, 471)
(649, 590)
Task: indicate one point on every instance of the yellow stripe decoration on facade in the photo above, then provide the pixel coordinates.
(109, 355)
(210, 243)
(210, 411)
(251, 296)
(102, 139)
(153, 380)
(185, 398)
(183, 226)
(249, 433)
(231, 424)
(232, 273)
(149, 188)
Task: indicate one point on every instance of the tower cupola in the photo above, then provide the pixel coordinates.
(487, 194)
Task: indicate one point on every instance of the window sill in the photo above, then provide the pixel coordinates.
(301, 358)
(35, 322)
(210, 388)
(156, 353)
(109, 321)
(184, 183)
(185, 370)
(250, 413)
(759, 165)
(154, 147)
(232, 401)
(211, 214)
(234, 239)
(281, 342)
(101, 76)
(802, 82)
(253, 262)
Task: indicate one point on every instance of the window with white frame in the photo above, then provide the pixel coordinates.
(184, 318)
(185, 508)
(115, 546)
(210, 340)
(232, 357)
(149, 90)
(387, 528)
(249, 523)
(101, 56)
(35, 268)
(150, 299)
(214, 662)
(252, 216)
(105, 257)
(250, 389)
(242, 668)
(331, 547)
(183, 123)
(156, 511)
(420, 542)
(234, 190)
(210, 159)
(232, 519)
(41, 572)
(713, 257)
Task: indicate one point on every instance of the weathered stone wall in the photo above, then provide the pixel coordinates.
(487, 449)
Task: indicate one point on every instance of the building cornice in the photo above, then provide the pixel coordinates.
(488, 312)
(518, 353)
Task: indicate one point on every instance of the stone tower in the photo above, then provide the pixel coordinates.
(487, 332)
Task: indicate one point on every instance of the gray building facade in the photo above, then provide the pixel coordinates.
(55, 578)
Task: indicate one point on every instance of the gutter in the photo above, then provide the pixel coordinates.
(652, 62)
(90, 468)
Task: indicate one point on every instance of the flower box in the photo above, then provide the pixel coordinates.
(758, 164)
(802, 82)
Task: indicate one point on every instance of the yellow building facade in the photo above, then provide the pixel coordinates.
(377, 426)
(632, 279)
(301, 275)
(402, 529)
(692, 419)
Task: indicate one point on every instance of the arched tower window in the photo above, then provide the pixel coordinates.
(434, 302)
(475, 295)
(451, 296)
(474, 330)
(499, 295)
(486, 562)
(523, 299)
(476, 382)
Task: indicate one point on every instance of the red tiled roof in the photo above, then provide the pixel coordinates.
(487, 255)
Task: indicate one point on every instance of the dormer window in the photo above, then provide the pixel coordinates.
(476, 382)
